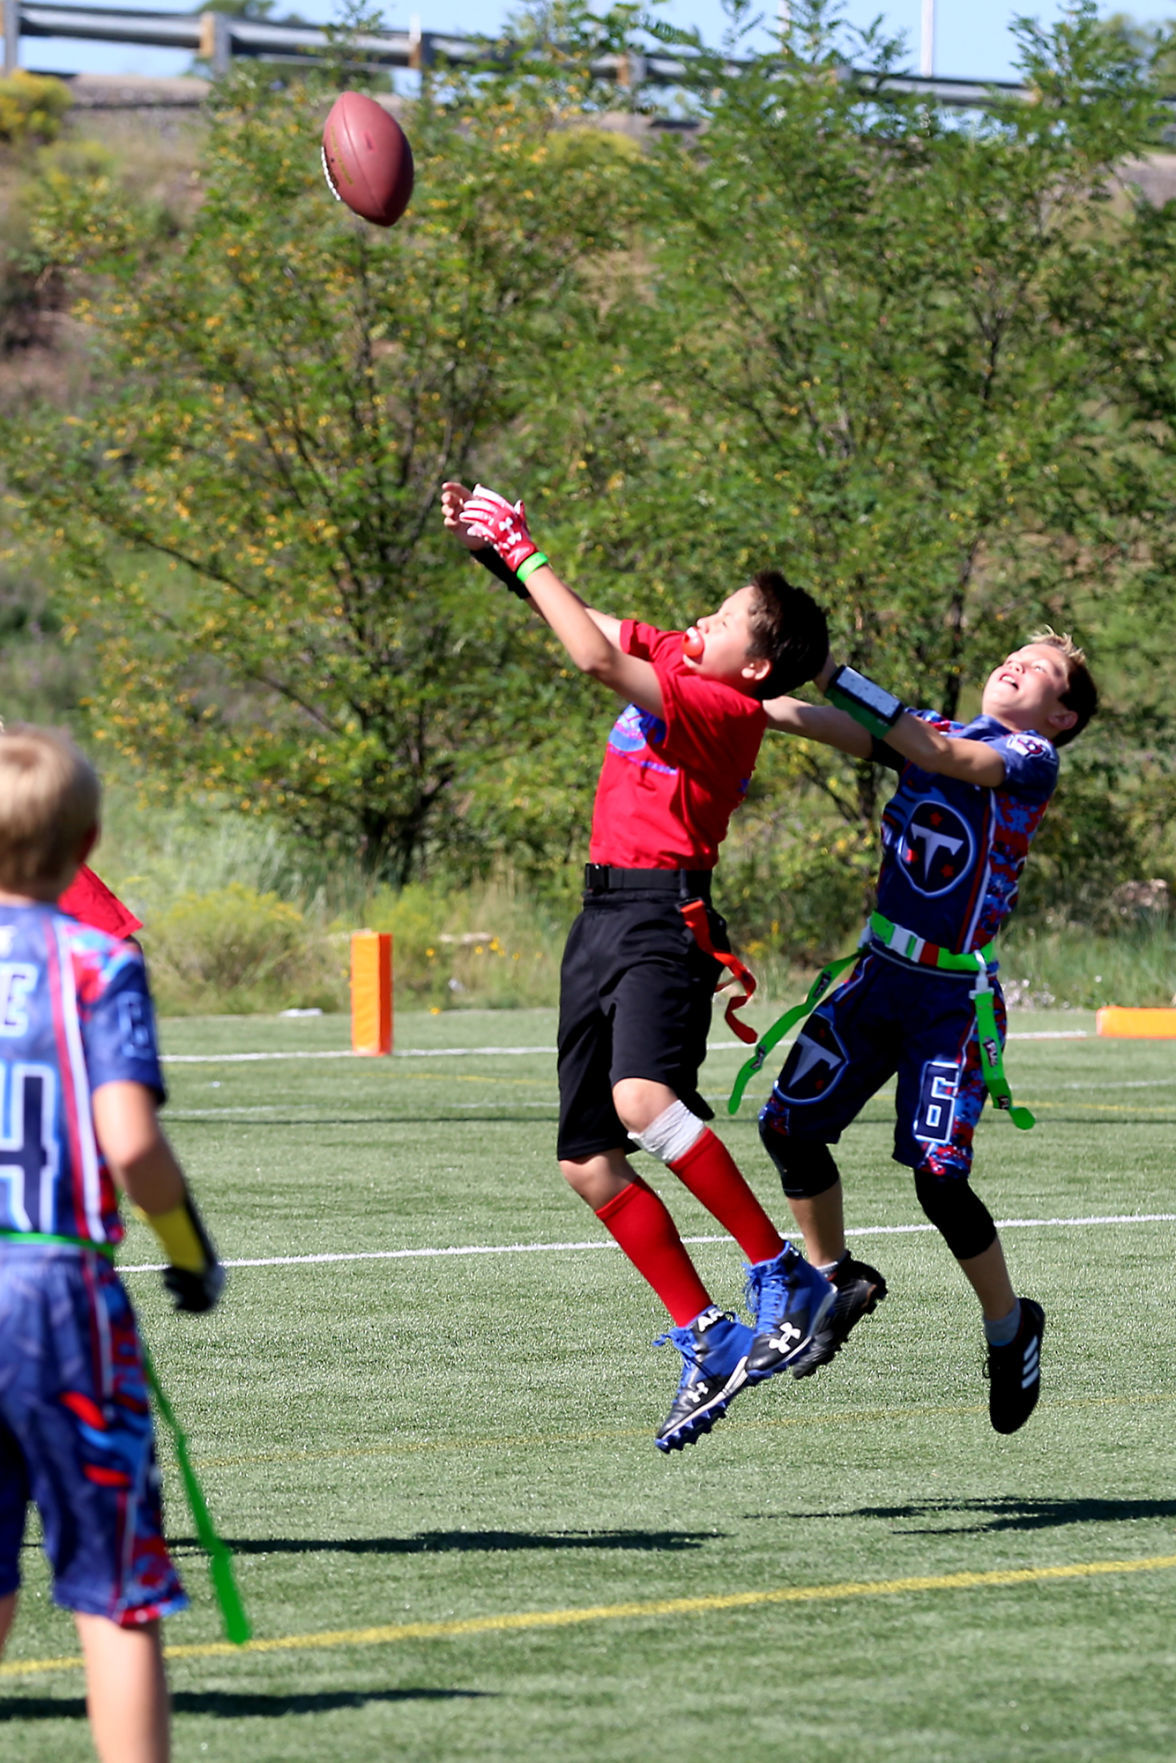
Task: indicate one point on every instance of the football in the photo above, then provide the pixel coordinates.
(367, 158)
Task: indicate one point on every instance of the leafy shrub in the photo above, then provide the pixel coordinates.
(488, 946)
(237, 950)
(32, 107)
(801, 903)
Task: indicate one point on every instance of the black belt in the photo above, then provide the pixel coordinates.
(687, 884)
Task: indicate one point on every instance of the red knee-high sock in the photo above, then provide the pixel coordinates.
(712, 1175)
(638, 1221)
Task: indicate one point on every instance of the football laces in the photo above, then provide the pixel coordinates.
(331, 185)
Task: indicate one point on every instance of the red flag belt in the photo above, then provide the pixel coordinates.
(694, 912)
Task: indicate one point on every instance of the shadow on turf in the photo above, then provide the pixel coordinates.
(227, 1705)
(443, 1542)
(1012, 1512)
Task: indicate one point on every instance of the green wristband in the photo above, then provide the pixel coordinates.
(530, 564)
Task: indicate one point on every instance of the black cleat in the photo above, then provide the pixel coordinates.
(1014, 1372)
(860, 1289)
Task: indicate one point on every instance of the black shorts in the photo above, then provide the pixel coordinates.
(635, 1001)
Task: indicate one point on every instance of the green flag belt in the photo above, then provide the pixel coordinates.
(39, 1237)
(909, 947)
(235, 1622)
(782, 1025)
(220, 1561)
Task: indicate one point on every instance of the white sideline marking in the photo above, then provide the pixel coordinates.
(346, 1053)
(869, 1230)
(247, 1111)
(1044, 1034)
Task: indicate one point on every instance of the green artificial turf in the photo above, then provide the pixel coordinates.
(459, 1445)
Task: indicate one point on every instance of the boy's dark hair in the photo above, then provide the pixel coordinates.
(789, 628)
(1081, 694)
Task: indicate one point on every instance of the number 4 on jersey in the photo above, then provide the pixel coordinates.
(28, 1146)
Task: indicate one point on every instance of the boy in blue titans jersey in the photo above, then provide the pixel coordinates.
(955, 837)
(79, 1086)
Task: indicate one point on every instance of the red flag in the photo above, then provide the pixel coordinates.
(89, 899)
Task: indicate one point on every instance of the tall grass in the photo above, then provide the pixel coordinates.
(239, 918)
(1074, 968)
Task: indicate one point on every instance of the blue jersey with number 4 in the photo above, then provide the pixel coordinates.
(75, 1013)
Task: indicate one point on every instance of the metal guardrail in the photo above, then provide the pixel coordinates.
(220, 39)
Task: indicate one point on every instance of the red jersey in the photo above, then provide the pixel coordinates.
(670, 784)
(91, 902)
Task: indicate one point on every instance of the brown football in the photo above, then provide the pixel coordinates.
(367, 158)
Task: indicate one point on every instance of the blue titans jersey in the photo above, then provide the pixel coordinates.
(75, 1013)
(953, 852)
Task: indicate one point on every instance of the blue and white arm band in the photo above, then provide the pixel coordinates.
(871, 705)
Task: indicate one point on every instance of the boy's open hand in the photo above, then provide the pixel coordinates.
(454, 497)
(495, 521)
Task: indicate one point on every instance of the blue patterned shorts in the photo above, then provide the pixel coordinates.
(890, 1020)
(76, 1437)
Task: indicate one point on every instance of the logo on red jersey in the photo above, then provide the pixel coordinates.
(636, 728)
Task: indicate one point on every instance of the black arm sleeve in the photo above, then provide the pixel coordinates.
(884, 755)
(488, 557)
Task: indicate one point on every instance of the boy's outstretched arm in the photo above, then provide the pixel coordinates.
(590, 638)
(144, 1165)
(973, 762)
(882, 716)
(819, 722)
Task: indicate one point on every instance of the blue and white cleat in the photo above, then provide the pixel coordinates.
(714, 1351)
(795, 1308)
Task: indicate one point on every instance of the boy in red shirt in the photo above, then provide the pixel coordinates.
(635, 986)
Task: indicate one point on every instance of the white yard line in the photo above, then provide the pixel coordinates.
(873, 1230)
(1062, 1034)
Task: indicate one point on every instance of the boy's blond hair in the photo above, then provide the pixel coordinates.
(1081, 693)
(49, 797)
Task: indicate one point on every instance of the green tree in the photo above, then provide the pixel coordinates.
(904, 355)
(921, 361)
(1153, 43)
(31, 107)
(244, 519)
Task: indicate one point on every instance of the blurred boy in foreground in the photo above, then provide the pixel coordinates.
(79, 1085)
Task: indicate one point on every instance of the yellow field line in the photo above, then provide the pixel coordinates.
(643, 1609)
(1160, 1109)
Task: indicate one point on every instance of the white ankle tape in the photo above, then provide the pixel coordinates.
(671, 1135)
